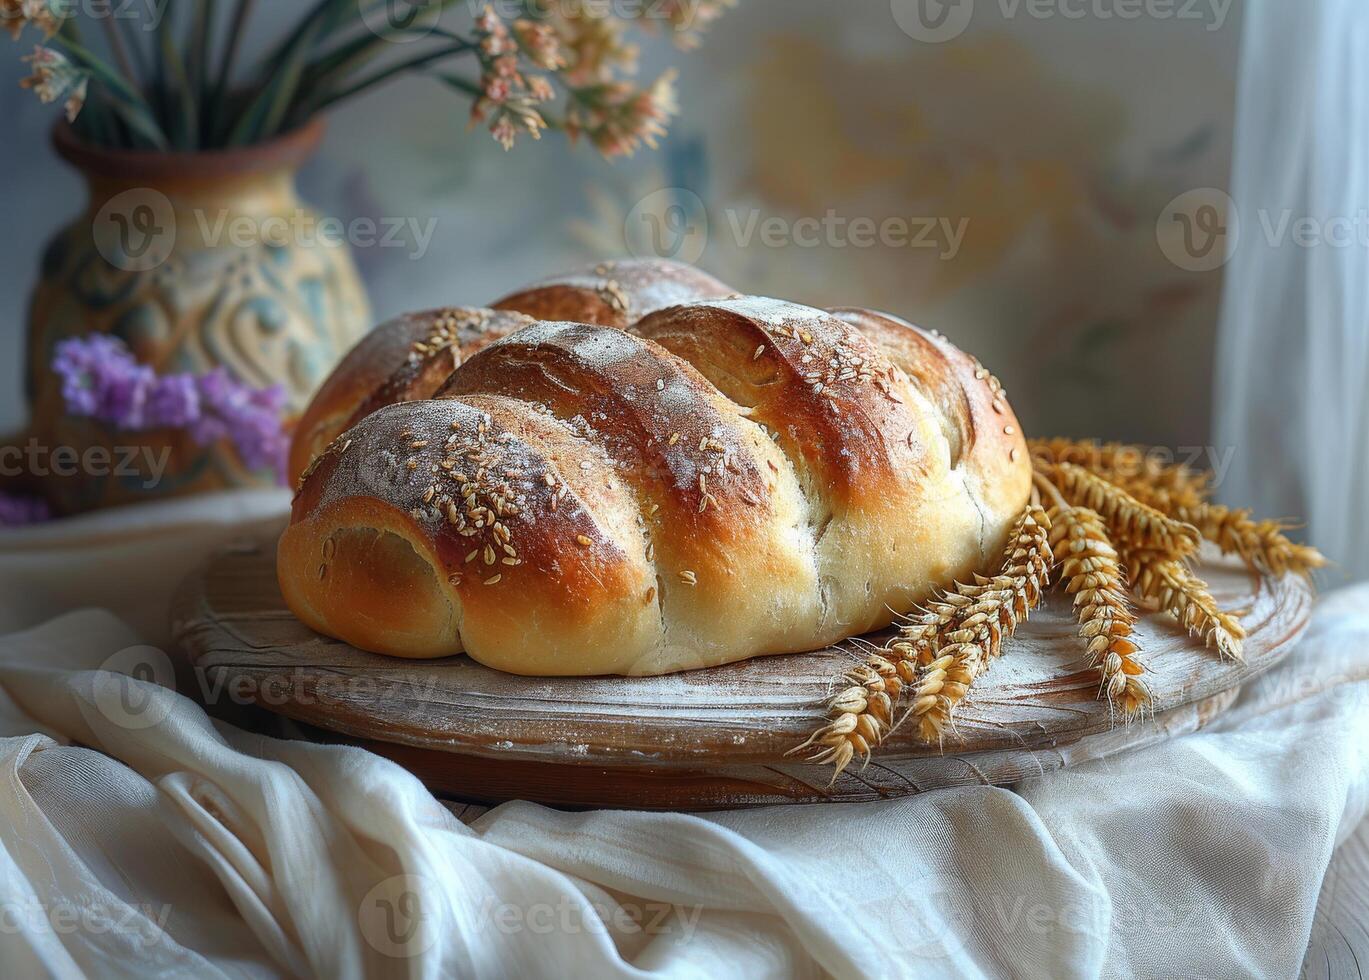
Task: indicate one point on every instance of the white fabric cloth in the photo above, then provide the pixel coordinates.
(1292, 380)
(140, 838)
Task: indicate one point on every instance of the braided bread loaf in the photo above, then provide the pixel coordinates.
(724, 478)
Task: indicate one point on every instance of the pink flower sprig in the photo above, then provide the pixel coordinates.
(509, 92)
(56, 78)
(101, 379)
(617, 117)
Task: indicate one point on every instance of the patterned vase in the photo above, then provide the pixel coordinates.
(195, 261)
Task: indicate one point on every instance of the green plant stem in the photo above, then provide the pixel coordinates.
(218, 104)
(198, 67)
(116, 45)
(386, 74)
(127, 102)
(345, 58)
(266, 113)
(185, 130)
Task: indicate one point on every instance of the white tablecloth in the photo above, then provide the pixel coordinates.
(140, 838)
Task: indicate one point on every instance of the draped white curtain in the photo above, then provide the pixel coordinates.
(1293, 350)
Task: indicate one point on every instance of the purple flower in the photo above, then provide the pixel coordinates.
(101, 379)
(249, 417)
(18, 510)
(174, 401)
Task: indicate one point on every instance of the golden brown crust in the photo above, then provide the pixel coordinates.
(529, 536)
(984, 434)
(717, 509)
(819, 385)
(403, 359)
(727, 478)
(614, 294)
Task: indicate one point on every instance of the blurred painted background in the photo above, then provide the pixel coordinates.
(1003, 186)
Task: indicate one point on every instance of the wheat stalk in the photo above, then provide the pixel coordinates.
(1133, 523)
(1262, 545)
(937, 653)
(1091, 572)
(1182, 493)
(1123, 464)
(1170, 584)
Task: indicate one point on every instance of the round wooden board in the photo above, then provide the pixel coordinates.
(705, 739)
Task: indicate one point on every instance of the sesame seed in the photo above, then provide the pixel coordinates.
(759, 351)
(493, 579)
(584, 540)
(688, 577)
(674, 438)
(1008, 430)
(489, 555)
(471, 557)
(660, 384)
(419, 444)
(322, 572)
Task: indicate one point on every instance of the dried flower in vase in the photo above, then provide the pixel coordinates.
(164, 79)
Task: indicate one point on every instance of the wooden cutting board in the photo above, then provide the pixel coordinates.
(705, 739)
